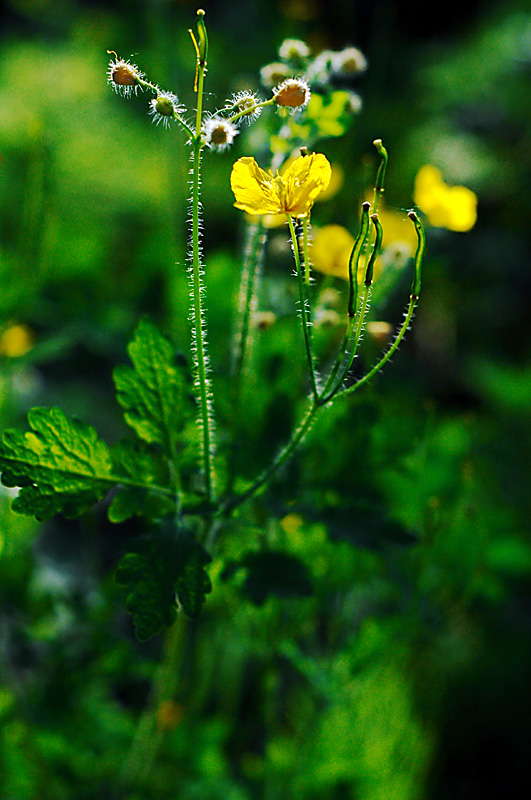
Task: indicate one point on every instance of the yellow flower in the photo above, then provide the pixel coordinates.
(450, 207)
(330, 250)
(16, 341)
(294, 192)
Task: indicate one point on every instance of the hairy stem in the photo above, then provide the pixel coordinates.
(303, 300)
(198, 323)
(247, 303)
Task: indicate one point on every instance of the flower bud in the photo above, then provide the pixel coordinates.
(294, 50)
(274, 73)
(293, 93)
(164, 108)
(245, 104)
(123, 76)
(219, 133)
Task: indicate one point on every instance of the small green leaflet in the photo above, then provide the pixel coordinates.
(138, 461)
(60, 464)
(152, 392)
(163, 566)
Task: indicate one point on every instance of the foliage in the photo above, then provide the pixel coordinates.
(157, 569)
(366, 634)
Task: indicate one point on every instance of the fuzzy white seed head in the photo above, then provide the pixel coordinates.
(294, 50)
(245, 103)
(319, 71)
(274, 73)
(349, 62)
(219, 133)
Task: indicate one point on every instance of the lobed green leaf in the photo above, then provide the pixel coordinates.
(161, 568)
(60, 465)
(152, 391)
(138, 461)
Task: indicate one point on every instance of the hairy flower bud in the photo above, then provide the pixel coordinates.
(123, 76)
(165, 108)
(274, 73)
(245, 104)
(293, 93)
(219, 133)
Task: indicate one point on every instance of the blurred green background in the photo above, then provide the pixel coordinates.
(406, 673)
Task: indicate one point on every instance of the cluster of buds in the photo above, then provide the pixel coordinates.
(290, 93)
(127, 79)
(320, 73)
(290, 80)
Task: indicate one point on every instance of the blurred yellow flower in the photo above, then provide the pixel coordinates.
(450, 207)
(332, 246)
(16, 341)
(294, 192)
(330, 250)
(291, 523)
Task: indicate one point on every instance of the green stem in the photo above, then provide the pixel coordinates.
(248, 111)
(381, 363)
(364, 306)
(317, 403)
(306, 248)
(415, 292)
(247, 302)
(353, 295)
(304, 307)
(285, 454)
(140, 758)
(380, 175)
(243, 339)
(198, 323)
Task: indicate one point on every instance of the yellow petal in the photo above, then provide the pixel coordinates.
(254, 189)
(429, 185)
(462, 209)
(303, 181)
(450, 207)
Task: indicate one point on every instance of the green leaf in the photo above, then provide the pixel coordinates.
(137, 460)
(152, 392)
(61, 465)
(193, 583)
(164, 566)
